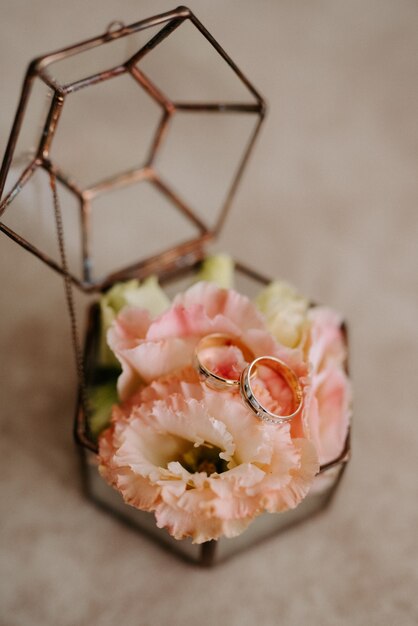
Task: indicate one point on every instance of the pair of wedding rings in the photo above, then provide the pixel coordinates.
(243, 384)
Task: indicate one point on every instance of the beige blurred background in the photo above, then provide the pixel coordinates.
(329, 202)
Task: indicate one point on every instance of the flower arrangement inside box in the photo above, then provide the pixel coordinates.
(211, 397)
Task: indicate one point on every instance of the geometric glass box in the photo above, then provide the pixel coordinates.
(153, 113)
(211, 552)
(179, 105)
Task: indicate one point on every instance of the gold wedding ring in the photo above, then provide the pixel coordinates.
(219, 340)
(217, 382)
(286, 373)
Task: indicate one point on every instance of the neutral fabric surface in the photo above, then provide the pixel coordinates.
(329, 202)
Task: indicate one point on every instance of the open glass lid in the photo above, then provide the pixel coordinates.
(146, 131)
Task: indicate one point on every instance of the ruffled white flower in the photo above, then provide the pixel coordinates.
(202, 461)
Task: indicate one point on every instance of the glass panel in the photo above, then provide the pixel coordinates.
(267, 525)
(30, 133)
(200, 157)
(202, 76)
(118, 234)
(31, 215)
(105, 130)
(99, 59)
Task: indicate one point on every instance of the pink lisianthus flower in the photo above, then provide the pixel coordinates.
(150, 348)
(317, 332)
(330, 404)
(201, 460)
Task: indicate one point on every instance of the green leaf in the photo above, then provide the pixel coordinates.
(101, 398)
